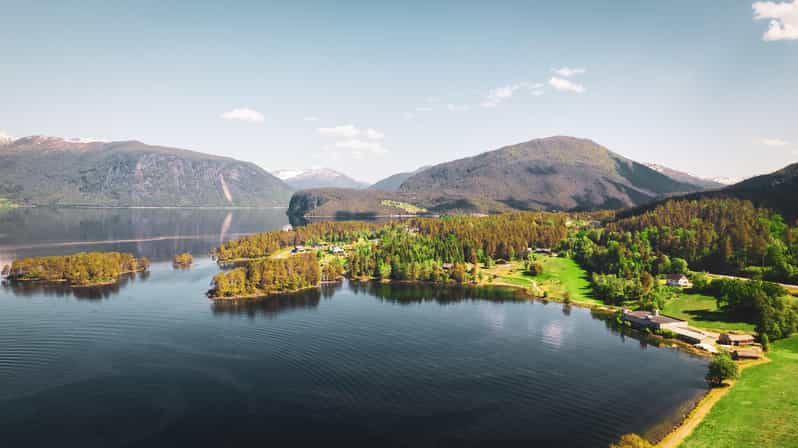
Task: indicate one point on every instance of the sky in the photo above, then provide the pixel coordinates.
(373, 88)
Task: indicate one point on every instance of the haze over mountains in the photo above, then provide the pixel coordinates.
(555, 173)
(318, 178)
(52, 171)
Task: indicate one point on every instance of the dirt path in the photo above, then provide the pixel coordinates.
(678, 435)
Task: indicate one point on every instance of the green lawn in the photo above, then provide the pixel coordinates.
(559, 275)
(702, 312)
(761, 410)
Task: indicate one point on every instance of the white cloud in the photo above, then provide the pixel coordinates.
(774, 142)
(783, 19)
(359, 146)
(423, 109)
(311, 118)
(350, 131)
(6, 138)
(566, 85)
(568, 72)
(456, 108)
(357, 141)
(499, 94)
(374, 134)
(343, 131)
(243, 114)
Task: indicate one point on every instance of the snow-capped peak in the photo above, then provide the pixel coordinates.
(5, 138)
(727, 180)
(288, 174)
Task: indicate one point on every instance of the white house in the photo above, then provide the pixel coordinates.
(678, 280)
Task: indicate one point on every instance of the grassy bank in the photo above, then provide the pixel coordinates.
(761, 409)
(702, 312)
(561, 278)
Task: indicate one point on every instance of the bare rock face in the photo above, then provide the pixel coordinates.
(51, 171)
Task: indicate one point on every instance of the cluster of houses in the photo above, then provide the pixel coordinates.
(741, 346)
(335, 250)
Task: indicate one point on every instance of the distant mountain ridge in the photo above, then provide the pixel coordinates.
(686, 178)
(318, 178)
(42, 170)
(554, 173)
(392, 183)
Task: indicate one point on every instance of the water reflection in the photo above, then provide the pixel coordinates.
(407, 293)
(31, 289)
(158, 234)
(269, 306)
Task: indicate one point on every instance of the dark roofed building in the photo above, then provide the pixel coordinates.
(735, 339)
(652, 319)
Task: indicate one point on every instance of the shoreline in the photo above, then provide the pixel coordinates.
(696, 415)
(69, 285)
(262, 295)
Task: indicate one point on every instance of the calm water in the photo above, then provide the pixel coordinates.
(152, 362)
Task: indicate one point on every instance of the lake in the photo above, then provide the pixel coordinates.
(153, 362)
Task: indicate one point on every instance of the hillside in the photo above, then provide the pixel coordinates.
(708, 184)
(52, 171)
(776, 191)
(318, 178)
(556, 173)
(392, 183)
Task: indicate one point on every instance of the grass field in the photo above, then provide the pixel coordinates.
(761, 410)
(560, 275)
(702, 312)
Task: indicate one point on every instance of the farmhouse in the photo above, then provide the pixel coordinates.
(298, 250)
(746, 354)
(653, 320)
(678, 280)
(336, 250)
(735, 339)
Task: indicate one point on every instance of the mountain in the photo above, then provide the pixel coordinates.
(555, 173)
(727, 180)
(686, 178)
(777, 191)
(52, 171)
(318, 178)
(392, 183)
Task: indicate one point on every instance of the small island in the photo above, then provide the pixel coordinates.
(80, 269)
(183, 261)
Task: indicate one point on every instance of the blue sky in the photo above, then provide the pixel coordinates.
(373, 88)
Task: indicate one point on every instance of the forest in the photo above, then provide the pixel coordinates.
(728, 236)
(268, 276)
(263, 244)
(81, 269)
(626, 257)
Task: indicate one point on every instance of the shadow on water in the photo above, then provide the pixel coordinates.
(407, 293)
(272, 306)
(30, 289)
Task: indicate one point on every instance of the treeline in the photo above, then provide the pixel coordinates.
(81, 269)
(268, 276)
(452, 248)
(262, 244)
(504, 236)
(719, 235)
(767, 303)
